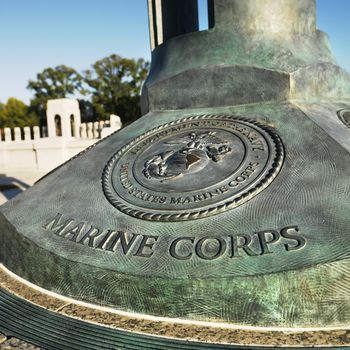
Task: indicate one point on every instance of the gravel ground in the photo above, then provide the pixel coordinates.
(13, 343)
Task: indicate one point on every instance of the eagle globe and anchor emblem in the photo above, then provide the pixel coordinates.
(197, 152)
(193, 168)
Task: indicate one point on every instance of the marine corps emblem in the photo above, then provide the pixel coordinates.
(193, 168)
(196, 151)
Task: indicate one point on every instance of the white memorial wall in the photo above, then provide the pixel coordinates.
(34, 148)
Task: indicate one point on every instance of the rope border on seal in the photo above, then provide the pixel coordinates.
(270, 176)
(341, 115)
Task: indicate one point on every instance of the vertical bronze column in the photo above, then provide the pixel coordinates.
(171, 18)
(246, 38)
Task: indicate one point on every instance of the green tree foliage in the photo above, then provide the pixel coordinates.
(52, 83)
(16, 113)
(87, 111)
(114, 83)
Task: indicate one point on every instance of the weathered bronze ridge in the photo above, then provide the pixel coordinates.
(218, 220)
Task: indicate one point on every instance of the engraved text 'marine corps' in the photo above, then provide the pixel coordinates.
(184, 247)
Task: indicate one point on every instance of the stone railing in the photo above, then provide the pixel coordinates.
(100, 129)
(91, 130)
(22, 134)
(30, 147)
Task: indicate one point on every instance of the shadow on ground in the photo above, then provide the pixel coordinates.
(11, 186)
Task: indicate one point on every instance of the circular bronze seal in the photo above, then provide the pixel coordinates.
(344, 116)
(193, 168)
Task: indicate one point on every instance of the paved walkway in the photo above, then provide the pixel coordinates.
(13, 182)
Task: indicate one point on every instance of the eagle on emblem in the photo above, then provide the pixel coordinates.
(196, 151)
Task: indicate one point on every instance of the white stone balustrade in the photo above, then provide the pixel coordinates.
(7, 132)
(27, 133)
(18, 136)
(83, 133)
(36, 132)
(96, 130)
(43, 149)
(91, 130)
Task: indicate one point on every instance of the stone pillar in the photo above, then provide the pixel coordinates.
(83, 131)
(64, 110)
(89, 131)
(44, 131)
(18, 136)
(115, 122)
(36, 132)
(96, 130)
(27, 136)
(7, 132)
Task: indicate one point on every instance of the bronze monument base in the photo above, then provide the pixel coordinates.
(53, 321)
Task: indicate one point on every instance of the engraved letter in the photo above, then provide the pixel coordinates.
(291, 233)
(175, 200)
(264, 241)
(221, 248)
(121, 236)
(74, 232)
(105, 241)
(144, 245)
(91, 235)
(244, 245)
(258, 145)
(57, 225)
(173, 245)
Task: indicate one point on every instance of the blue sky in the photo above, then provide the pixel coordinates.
(36, 34)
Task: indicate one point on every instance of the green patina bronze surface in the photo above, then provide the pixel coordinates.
(227, 201)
